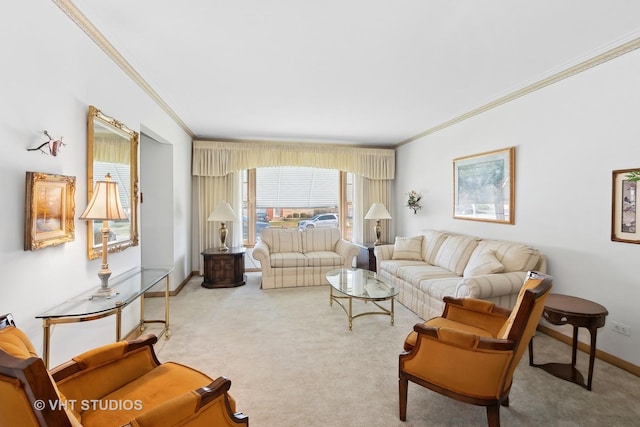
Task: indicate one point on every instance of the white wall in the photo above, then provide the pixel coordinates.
(568, 138)
(51, 73)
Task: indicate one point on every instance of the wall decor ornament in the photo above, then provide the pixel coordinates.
(49, 210)
(484, 186)
(413, 202)
(624, 206)
(52, 145)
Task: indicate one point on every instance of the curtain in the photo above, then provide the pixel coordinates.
(210, 192)
(367, 192)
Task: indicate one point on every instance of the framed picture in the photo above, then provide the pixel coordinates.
(624, 207)
(49, 210)
(484, 186)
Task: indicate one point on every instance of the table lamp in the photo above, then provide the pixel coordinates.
(105, 206)
(223, 213)
(377, 211)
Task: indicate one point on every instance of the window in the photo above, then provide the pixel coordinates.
(295, 197)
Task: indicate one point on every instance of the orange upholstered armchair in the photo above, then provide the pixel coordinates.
(114, 385)
(472, 351)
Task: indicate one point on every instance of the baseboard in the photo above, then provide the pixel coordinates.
(174, 292)
(602, 355)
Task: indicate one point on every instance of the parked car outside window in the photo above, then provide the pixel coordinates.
(322, 220)
(260, 225)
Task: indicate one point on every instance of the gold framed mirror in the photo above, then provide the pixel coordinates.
(112, 149)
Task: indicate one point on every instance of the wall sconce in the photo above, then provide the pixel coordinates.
(377, 211)
(105, 206)
(223, 213)
(53, 145)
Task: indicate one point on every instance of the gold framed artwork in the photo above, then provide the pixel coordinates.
(49, 210)
(624, 206)
(484, 186)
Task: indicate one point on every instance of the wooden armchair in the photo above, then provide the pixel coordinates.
(114, 385)
(472, 351)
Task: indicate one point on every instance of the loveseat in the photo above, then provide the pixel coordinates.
(434, 264)
(292, 257)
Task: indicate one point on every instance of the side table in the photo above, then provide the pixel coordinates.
(578, 312)
(366, 258)
(224, 269)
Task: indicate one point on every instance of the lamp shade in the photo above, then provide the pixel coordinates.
(105, 202)
(223, 212)
(377, 211)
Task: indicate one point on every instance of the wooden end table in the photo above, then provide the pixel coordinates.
(578, 312)
(366, 257)
(224, 269)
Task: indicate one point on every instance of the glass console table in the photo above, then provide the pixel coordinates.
(130, 286)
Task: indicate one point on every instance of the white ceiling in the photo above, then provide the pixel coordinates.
(369, 72)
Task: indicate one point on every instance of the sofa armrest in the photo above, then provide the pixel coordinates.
(383, 252)
(210, 405)
(490, 285)
(347, 250)
(261, 254)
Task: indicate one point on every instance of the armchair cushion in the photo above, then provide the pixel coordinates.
(144, 393)
(195, 408)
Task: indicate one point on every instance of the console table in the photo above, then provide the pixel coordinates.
(130, 286)
(564, 309)
(224, 269)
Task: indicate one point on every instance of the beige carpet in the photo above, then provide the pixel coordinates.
(293, 362)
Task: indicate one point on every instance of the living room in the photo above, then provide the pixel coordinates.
(569, 134)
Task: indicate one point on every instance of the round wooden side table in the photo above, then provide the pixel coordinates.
(578, 312)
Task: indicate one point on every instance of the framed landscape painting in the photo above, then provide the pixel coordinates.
(49, 210)
(484, 186)
(624, 207)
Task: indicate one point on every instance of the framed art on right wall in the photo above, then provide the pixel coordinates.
(624, 206)
(484, 186)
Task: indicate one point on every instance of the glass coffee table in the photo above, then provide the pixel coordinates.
(362, 285)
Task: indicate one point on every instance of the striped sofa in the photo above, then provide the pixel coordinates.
(292, 257)
(435, 264)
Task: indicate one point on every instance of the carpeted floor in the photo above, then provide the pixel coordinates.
(293, 362)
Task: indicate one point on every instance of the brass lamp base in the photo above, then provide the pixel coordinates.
(223, 238)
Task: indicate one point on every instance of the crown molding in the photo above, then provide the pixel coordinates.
(83, 22)
(587, 64)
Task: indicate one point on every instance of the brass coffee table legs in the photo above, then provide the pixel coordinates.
(349, 310)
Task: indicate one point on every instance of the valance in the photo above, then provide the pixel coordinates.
(219, 158)
(111, 149)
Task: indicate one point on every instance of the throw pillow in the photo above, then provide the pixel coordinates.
(409, 248)
(483, 262)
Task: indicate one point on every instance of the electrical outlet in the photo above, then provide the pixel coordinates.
(621, 329)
